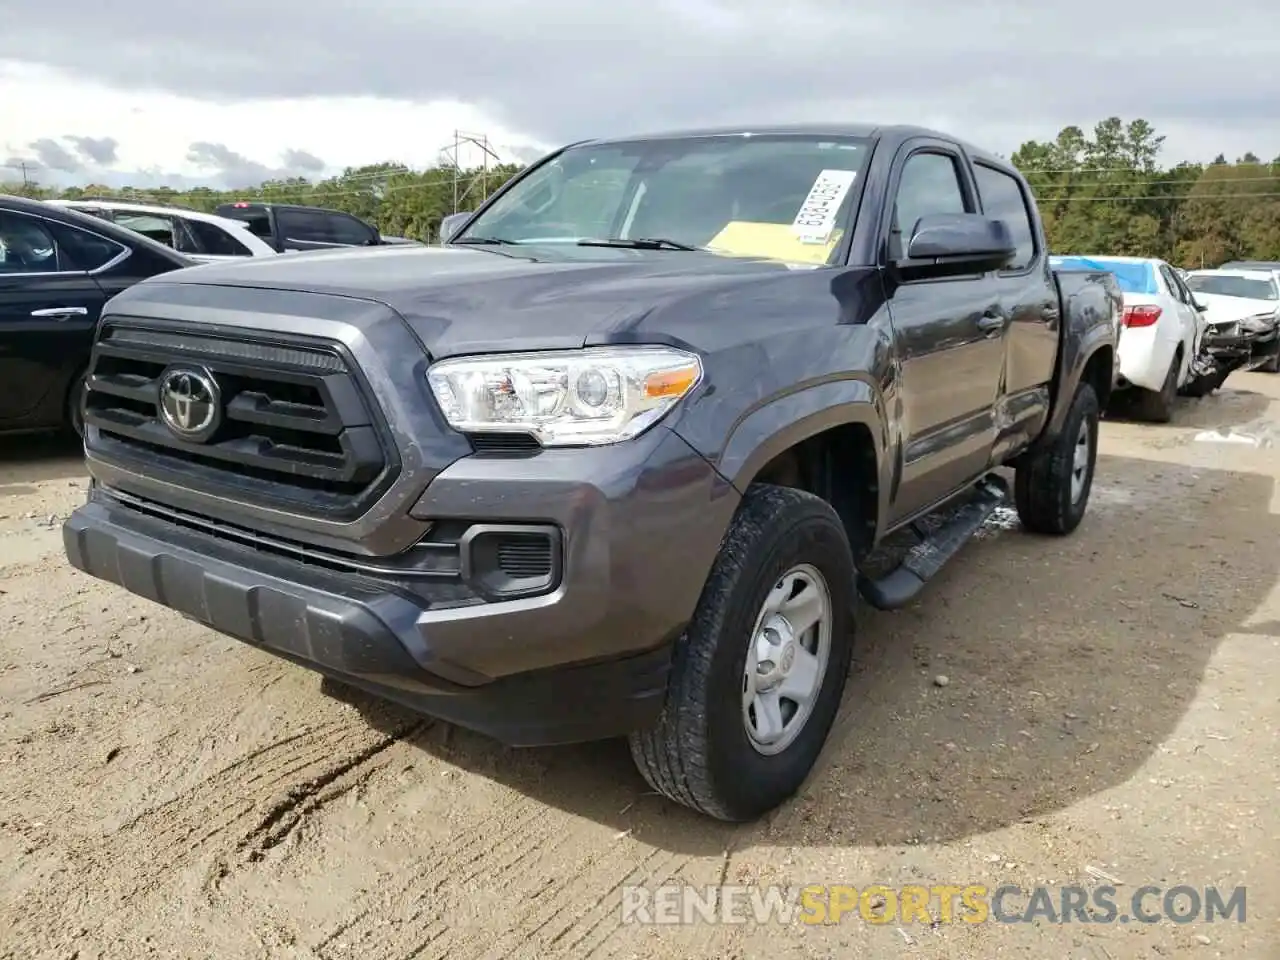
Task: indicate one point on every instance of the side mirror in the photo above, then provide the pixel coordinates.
(954, 244)
(451, 224)
(1201, 307)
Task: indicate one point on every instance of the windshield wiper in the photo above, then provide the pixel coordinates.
(639, 243)
(489, 241)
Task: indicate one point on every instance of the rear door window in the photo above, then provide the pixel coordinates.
(305, 225)
(80, 250)
(350, 231)
(1003, 199)
(216, 241)
(256, 217)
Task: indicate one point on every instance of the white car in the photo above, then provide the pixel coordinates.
(1163, 329)
(203, 237)
(1238, 297)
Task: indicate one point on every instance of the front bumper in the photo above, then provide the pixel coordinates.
(586, 660)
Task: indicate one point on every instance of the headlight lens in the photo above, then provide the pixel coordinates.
(594, 396)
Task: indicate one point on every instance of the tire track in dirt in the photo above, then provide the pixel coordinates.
(508, 864)
(409, 916)
(243, 808)
(585, 909)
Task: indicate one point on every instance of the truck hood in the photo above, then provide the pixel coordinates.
(1232, 309)
(459, 300)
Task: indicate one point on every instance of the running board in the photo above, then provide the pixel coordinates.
(900, 586)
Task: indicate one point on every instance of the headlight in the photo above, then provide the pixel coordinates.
(565, 398)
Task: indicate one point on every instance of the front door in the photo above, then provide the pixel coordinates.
(48, 311)
(950, 343)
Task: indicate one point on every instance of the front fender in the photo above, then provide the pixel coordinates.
(768, 429)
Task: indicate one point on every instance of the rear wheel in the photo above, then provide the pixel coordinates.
(1051, 489)
(1157, 405)
(758, 675)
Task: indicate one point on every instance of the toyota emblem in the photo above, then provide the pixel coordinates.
(190, 403)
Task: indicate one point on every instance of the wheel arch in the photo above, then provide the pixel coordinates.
(829, 440)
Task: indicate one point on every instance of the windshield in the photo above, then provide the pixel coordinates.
(1225, 285)
(776, 197)
(1131, 277)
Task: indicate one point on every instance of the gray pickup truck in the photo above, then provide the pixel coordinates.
(618, 458)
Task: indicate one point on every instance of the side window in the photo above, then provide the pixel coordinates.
(157, 228)
(258, 221)
(26, 246)
(80, 250)
(930, 184)
(1171, 281)
(216, 241)
(304, 225)
(1003, 199)
(1183, 292)
(349, 231)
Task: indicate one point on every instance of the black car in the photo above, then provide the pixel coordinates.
(57, 269)
(294, 227)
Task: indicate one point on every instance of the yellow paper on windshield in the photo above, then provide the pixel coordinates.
(773, 241)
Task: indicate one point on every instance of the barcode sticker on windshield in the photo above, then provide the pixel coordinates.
(817, 215)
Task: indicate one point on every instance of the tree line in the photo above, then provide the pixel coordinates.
(1103, 192)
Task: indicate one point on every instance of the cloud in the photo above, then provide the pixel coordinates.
(53, 155)
(303, 161)
(997, 72)
(99, 150)
(238, 171)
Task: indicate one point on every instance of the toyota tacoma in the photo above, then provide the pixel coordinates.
(618, 457)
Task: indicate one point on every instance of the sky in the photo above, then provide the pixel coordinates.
(227, 94)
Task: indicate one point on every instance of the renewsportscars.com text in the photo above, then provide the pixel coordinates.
(973, 903)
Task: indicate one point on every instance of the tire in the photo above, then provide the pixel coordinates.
(1156, 406)
(1044, 492)
(700, 753)
(1271, 366)
(75, 405)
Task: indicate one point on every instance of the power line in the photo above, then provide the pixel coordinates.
(1166, 196)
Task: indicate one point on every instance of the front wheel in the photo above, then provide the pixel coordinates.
(758, 674)
(1051, 489)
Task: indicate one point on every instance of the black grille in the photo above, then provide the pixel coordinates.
(504, 442)
(296, 431)
(522, 555)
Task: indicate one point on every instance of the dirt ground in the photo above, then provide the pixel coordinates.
(1112, 702)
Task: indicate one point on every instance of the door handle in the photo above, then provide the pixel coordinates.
(991, 323)
(61, 313)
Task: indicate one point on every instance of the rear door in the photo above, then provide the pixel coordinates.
(1029, 299)
(950, 335)
(49, 307)
(1190, 327)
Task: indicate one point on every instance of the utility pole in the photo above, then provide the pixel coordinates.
(453, 156)
(20, 165)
